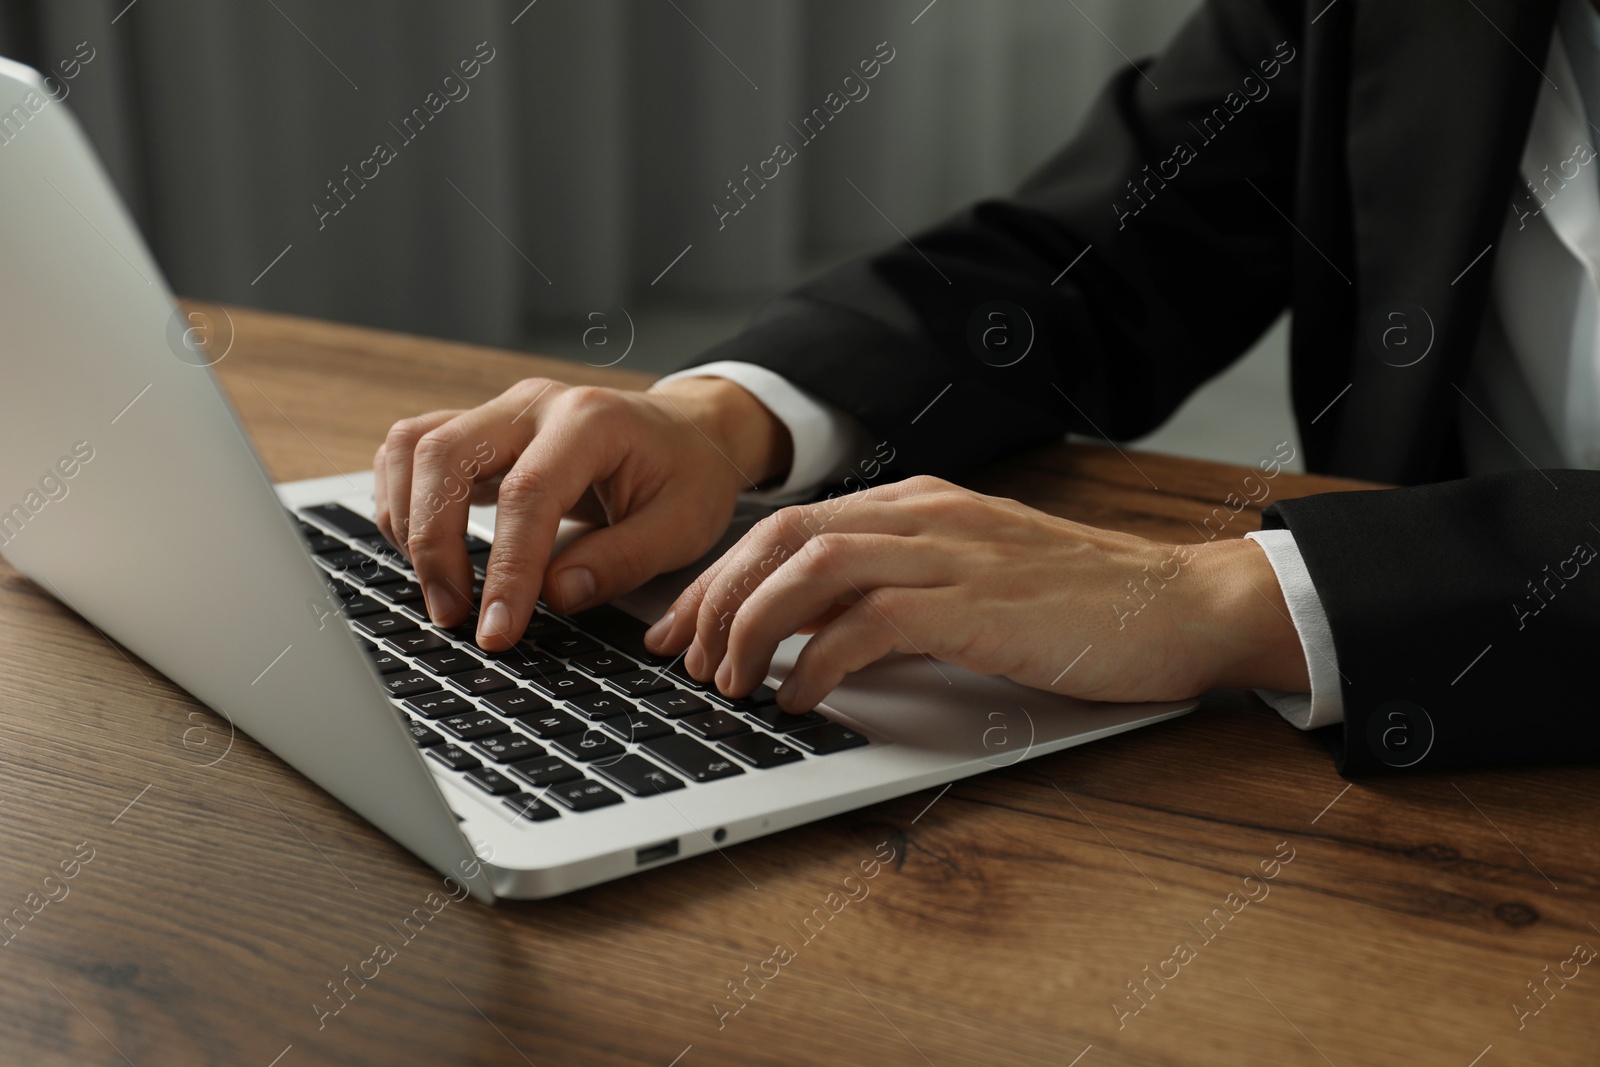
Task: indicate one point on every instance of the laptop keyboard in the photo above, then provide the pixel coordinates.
(578, 715)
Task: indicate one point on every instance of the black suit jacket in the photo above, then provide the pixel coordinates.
(1342, 160)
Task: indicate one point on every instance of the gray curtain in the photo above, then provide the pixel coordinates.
(582, 159)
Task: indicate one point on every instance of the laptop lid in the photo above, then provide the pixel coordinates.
(129, 491)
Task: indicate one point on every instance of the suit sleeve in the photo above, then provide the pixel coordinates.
(1465, 616)
(974, 340)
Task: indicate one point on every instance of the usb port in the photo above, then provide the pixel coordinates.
(664, 851)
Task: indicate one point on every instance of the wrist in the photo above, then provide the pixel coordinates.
(754, 439)
(1240, 621)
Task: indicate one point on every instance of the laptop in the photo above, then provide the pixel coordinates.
(129, 492)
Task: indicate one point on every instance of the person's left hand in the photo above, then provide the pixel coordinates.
(987, 584)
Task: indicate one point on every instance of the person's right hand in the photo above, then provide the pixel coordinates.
(660, 469)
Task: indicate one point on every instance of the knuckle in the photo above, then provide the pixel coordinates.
(426, 538)
(402, 436)
(718, 602)
(822, 553)
(926, 483)
(529, 389)
(436, 444)
(586, 400)
(507, 574)
(522, 486)
(790, 521)
(884, 603)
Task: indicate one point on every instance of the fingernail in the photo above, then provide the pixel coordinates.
(574, 586)
(694, 660)
(441, 600)
(496, 622)
(658, 633)
(725, 675)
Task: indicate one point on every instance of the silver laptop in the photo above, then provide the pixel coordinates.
(130, 493)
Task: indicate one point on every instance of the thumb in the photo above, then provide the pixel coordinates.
(607, 562)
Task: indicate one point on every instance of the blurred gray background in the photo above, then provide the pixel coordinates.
(577, 173)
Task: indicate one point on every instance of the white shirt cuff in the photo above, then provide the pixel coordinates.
(1324, 705)
(827, 442)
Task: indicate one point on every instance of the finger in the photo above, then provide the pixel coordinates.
(875, 626)
(397, 448)
(612, 560)
(577, 445)
(446, 463)
(831, 569)
(380, 498)
(712, 606)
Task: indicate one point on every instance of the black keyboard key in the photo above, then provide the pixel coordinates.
(342, 589)
(640, 683)
(561, 685)
(449, 660)
(409, 684)
(762, 750)
(526, 663)
(398, 591)
(342, 519)
(457, 759)
(515, 703)
(690, 758)
(587, 746)
(438, 705)
(547, 724)
(359, 607)
(583, 795)
(542, 624)
(476, 544)
(681, 674)
(509, 748)
(779, 721)
(601, 705)
(343, 560)
(422, 735)
(492, 781)
(638, 726)
(715, 725)
(416, 642)
(545, 770)
(387, 662)
(530, 807)
(384, 625)
(600, 664)
(480, 562)
(466, 630)
(359, 567)
(376, 577)
(828, 738)
(472, 725)
(760, 697)
(639, 776)
(379, 546)
(480, 682)
(566, 645)
(618, 629)
(321, 544)
(675, 704)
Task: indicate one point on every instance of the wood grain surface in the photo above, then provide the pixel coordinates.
(222, 893)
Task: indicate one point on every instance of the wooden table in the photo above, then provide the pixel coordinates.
(222, 895)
